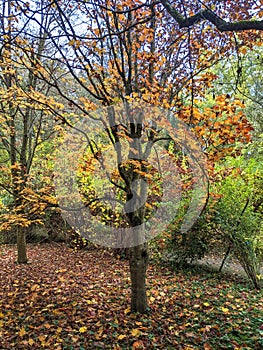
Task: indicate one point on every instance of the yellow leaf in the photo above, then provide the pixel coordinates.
(83, 329)
(22, 332)
(206, 304)
(61, 270)
(126, 311)
(99, 334)
(71, 42)
(230, 296)
(31, 341)
(136, 332)
(34, 287)
(121, 336)
(225, 309)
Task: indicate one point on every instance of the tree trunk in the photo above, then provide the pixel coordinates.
(225, 257)
(138, 259)
(21, 246)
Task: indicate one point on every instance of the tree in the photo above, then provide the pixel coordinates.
(26, 106)
(241, 76)
(126, 51)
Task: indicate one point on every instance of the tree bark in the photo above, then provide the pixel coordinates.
(21, 246)
(138, 259)
(209, 15)
(225, 257)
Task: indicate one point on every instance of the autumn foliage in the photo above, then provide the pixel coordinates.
(63, 60)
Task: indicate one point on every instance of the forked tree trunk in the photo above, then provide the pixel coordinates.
(138, 259)
(21, 246)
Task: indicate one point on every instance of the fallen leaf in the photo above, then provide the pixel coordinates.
(121, 336)
(138, 344)
(136, 332)
(83, 329)
(126, 311)
(42, 338)
(34, 287)
(22, 332)
(30, 341)
(225, 310)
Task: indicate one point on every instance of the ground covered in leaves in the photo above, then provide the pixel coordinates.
(67, 299)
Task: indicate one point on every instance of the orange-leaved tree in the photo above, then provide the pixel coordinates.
(126, 53)
(26, 106)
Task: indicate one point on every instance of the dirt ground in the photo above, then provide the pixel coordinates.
(231, 265)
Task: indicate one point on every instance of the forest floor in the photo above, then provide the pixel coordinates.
(65, 299)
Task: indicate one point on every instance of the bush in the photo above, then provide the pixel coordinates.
(187, 247)
(237, 212)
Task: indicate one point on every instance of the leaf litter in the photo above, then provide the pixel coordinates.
(67, 299)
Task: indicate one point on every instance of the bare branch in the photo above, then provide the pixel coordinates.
(219, 23)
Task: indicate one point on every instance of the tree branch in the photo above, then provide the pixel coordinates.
(210, 16)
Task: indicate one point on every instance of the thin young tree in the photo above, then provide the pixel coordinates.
(25, 106)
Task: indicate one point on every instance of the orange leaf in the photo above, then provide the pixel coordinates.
(22, 332)
(42, 338)
(138, 345)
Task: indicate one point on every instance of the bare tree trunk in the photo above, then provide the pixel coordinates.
(21, 246)
(138, 265)
(225, 257)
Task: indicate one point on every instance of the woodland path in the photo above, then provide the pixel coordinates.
(231, 267)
